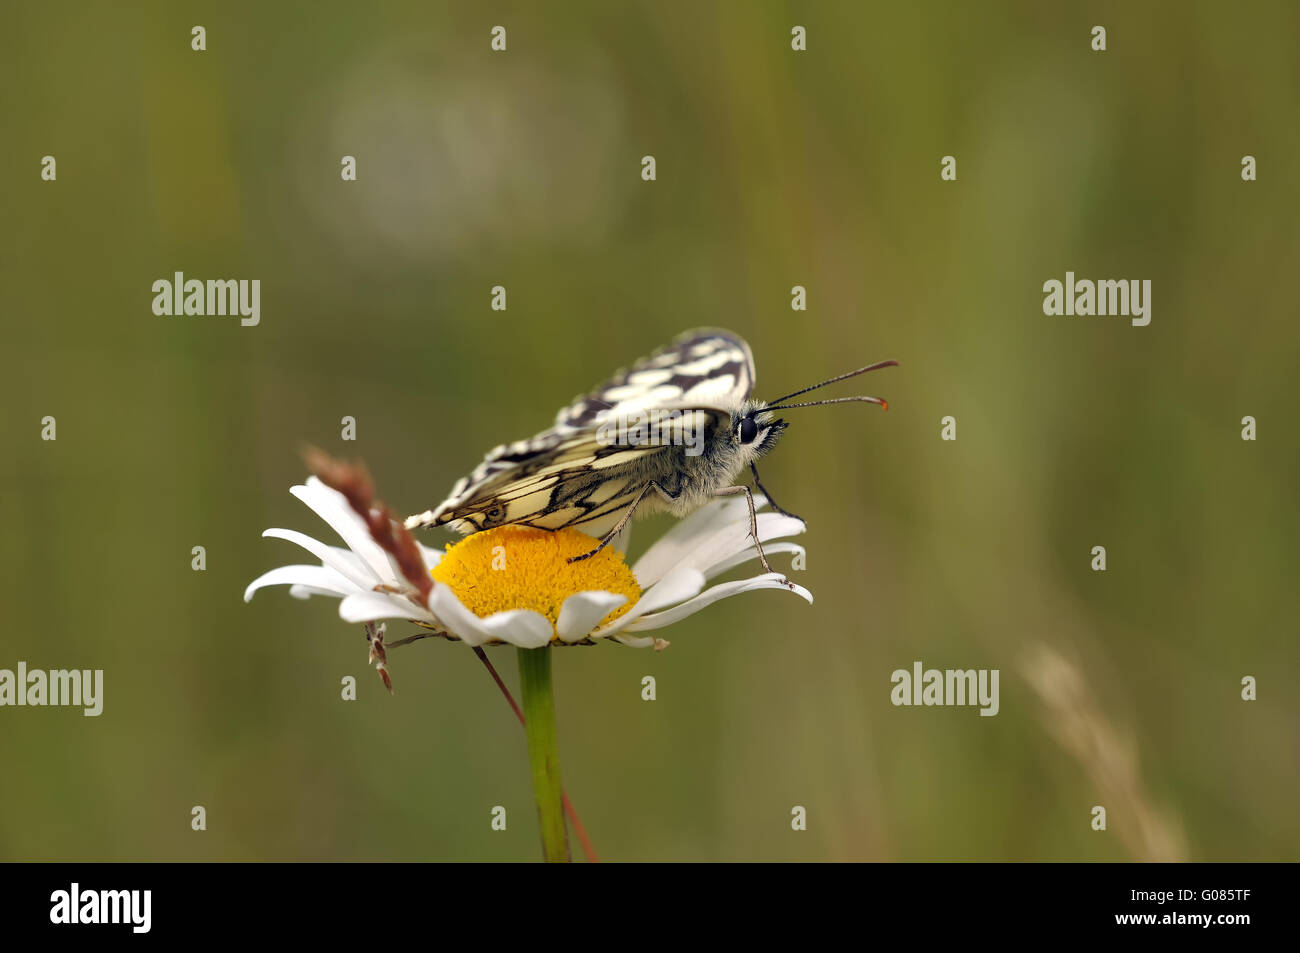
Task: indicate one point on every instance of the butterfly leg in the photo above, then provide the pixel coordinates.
(627, 518)
(762, 489)
(753, 523)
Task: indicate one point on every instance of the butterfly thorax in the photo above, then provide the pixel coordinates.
(693, 476)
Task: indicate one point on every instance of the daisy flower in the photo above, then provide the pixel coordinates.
(514, 584)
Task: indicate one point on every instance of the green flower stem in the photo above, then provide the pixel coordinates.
(543, 750)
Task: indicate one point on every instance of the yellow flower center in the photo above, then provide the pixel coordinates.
(519, 567)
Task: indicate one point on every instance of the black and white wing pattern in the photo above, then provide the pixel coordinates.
(706, 367)
(569, 476)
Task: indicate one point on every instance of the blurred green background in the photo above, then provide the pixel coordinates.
(775, 168)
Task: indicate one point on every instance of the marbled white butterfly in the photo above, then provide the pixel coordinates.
(668, 434)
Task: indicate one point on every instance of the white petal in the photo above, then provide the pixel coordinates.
(315, 577)
(767, 581)
(641, 642)
(306, 592)
(338, 559)
(331, 506)
(667, 551)
(369, 606)
(724, 543)
(454, 617)
(583, 611)
(681, 583)
(750, 553)
(522, 627)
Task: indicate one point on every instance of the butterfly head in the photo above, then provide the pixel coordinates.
(755, 429)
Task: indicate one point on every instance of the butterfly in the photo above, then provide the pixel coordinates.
(668, 433)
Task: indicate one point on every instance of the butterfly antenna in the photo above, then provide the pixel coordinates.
(778, 405)
(834, 380)
(834, 400)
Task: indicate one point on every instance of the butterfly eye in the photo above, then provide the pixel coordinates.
(747, 430)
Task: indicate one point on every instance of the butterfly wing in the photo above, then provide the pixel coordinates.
(579, 480)
(571, 475)
(706, 367)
